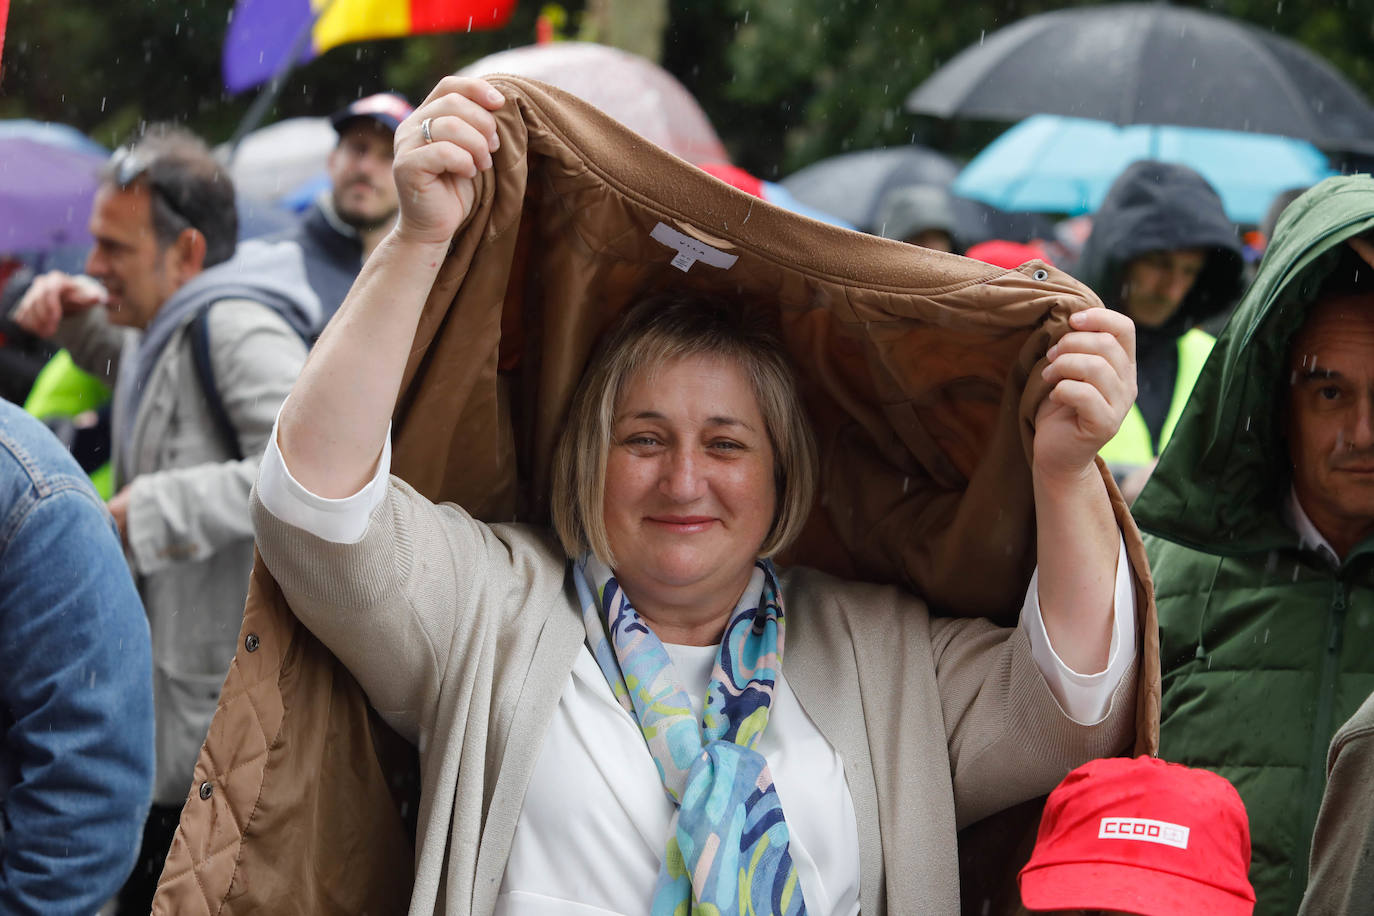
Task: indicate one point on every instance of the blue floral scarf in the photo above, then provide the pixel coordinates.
(727, 844)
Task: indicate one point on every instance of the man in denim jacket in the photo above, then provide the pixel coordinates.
(76, 689)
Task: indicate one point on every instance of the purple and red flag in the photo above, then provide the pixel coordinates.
(264, 33)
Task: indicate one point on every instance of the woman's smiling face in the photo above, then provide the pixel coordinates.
(690, 492)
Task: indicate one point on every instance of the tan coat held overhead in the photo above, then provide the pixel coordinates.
(920, 371)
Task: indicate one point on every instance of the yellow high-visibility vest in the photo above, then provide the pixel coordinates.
(62, 389)
(1132, 444)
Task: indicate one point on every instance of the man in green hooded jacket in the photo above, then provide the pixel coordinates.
(1261, 524)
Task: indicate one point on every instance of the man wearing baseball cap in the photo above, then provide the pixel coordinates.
(346, 222)
(1144, 837)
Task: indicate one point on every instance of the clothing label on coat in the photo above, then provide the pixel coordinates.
(689, 250)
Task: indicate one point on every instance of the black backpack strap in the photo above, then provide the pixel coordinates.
(205, 372)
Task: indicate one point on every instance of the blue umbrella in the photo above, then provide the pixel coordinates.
(51, 134)
(1049, 163)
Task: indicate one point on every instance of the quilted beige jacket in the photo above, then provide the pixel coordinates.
(920, 373)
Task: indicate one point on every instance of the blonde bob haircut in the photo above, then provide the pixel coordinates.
(655, 331)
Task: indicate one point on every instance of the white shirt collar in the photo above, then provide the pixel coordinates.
(1308, 535)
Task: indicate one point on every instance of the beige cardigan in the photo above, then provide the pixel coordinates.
(463, 635)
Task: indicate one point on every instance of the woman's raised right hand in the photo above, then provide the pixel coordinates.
(435, 176)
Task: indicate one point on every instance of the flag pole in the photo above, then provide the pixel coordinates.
(269, 95)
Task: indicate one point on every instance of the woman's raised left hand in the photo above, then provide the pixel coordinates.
(1092, 373)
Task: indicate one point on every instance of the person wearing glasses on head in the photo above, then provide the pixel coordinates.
(201, 346)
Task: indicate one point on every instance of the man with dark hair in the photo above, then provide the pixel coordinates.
(347, 221)
(1162, 251)
(202, 346)
(1260, 519)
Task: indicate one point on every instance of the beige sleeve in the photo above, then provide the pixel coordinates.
(374, 603)
(94, 343)
(426, 596)
(1009, 739)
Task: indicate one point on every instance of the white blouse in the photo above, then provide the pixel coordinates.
(594, 824)
(593, 827)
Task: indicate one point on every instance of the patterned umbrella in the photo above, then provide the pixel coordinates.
(636, 92)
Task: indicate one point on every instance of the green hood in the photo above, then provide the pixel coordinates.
(1223, 479)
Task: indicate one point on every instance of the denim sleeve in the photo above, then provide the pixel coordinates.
(76, 705)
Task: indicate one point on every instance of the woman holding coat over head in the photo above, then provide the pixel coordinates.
(699, 746)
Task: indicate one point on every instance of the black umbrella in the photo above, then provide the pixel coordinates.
(980, 222)
(852, 186)
(1136, 63)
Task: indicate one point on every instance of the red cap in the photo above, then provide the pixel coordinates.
(1141, 836)
(388, 109)
(1011, 255)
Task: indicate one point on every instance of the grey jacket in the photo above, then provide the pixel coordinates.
(1341, 879)
(463, 635)
(189, 538)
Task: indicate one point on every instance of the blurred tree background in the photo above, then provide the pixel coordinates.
(785, 82)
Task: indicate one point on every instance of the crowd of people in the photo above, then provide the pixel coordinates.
(597, 695)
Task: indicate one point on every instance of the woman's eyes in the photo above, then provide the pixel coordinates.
(645, 440)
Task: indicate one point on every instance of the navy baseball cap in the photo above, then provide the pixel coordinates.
(388, 109)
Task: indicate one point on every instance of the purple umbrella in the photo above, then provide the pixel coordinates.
(45, 195)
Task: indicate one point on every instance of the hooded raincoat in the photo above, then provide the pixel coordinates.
(1267, 647)
(1158, 206)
